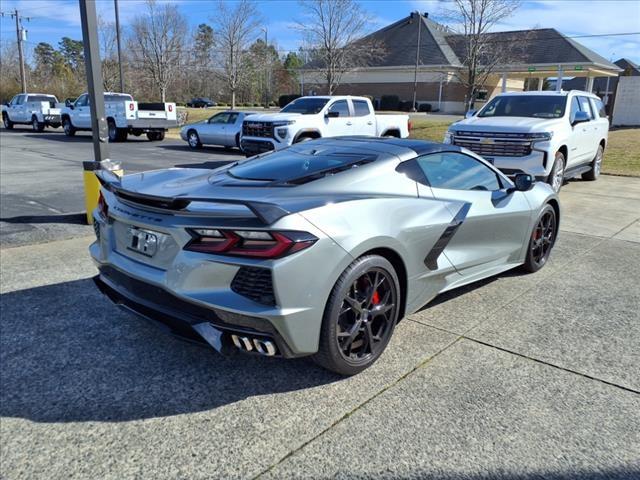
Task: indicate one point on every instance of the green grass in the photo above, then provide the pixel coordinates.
(429, 129)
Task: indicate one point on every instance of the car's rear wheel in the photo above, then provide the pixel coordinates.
(193, 139)
(542, 240)
(69, 130)
(8, 124)
(596, 166)
(36, 125)
(556, 177)
(155, 136)
(360, 316)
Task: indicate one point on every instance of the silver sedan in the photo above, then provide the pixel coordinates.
(221, 129)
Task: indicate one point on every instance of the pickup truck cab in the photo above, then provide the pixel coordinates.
(124, 116)
(551, 135)
(39, 110)
(308, 118)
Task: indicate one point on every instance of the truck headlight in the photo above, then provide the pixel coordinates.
(541, 136)
(282, 132)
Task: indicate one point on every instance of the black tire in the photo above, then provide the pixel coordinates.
(596, 166)
(113, 131)
(238, 141)
(8, 124)
(193, 139)
(556, 177)
(69, 129)
(36, 125)
(542, 239)
(365, 322)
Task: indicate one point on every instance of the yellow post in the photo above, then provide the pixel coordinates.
(92, 185)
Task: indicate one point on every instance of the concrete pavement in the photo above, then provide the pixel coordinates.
(520, 376)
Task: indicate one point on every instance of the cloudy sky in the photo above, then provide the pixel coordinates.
(53, 19)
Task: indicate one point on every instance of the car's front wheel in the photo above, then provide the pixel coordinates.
(596, 166)
(360, 316)
(542, 240)
(36, 125)
(193, 139)
(556, 177)
(8, 124)
(69, 130)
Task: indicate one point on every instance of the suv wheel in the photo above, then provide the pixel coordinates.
(556, 177)
(543, 237)
(359, 317)
(596, 165)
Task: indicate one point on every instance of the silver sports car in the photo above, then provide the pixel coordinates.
(319, 249)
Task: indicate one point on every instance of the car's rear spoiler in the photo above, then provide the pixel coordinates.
(267, 212)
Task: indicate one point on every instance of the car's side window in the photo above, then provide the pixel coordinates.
(232, 118)
(220, 118)
(599, 107)
(361, 108)
(341, 107)
(585, 106)
(20, 99)
(14, 100)
(457, 171)
(575, 108)
(81, 101)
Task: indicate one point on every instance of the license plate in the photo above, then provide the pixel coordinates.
(142, 241)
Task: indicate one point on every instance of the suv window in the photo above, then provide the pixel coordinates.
(599, 107)
(342, 107)
(575, 108)
(15, 100)
(361, 108)
(585, 106)
(537, 106)
(457, 171)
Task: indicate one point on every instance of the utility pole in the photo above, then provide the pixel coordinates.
(20, 34)
(415, 73)
(89, 21)
(115, 3)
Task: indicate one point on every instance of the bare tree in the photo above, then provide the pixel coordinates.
(334, 29)
(109, 55)
(157, 43)
(235, 27)
(481, 52)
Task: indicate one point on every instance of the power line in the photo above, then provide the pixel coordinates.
(21, 37)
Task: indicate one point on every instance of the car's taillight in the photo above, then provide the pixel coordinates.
(410, 125)
(103, 208)
(131, 106)
(249, 243)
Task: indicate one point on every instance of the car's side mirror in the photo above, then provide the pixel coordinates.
(580, 117)
(523, 182)
(470, 113)
(332, 114)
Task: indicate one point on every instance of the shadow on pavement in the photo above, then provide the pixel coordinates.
(69, 355)
(204, 150)
(67, 218)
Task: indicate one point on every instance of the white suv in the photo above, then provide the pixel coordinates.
(551, 135)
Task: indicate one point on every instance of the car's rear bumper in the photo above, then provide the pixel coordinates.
(179, 317)
(52, 118)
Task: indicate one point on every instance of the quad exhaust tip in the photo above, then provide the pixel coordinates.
(263, 347)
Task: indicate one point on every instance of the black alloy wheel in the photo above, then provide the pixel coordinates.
(542, 240)
(360, 316)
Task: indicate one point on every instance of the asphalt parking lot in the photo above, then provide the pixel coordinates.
(520, 376)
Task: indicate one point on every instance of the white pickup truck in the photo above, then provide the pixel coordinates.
(124, 116)
(551, 135)
(39, 110)
(307, 118)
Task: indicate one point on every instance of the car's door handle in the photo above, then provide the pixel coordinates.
(349, 123)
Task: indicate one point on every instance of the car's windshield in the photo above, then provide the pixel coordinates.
(42, 98)
(289, 166)
(538, 106)
(306, 106)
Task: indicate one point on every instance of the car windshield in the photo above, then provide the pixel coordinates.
(538, 106)
(42, 98)
(306, 106)
(293, 167)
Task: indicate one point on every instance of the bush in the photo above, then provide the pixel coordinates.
(389, 102)
(405, 106)
(286, 99)
(424, 107)
(256, 104)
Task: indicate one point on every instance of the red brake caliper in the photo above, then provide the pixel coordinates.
(375, 298)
